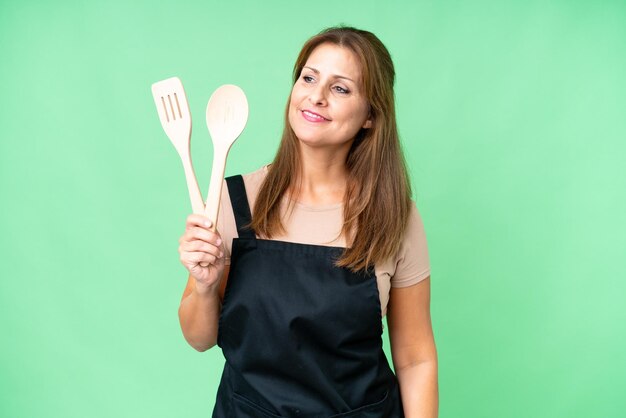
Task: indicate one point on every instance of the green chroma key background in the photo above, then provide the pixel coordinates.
(513, 119)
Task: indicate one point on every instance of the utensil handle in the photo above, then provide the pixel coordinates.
(195, 196)
(211, 209)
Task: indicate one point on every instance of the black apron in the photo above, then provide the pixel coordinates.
(301, 337)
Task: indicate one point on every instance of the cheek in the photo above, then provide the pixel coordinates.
(294, 99)
(355, 114)
(293, 110)
(296, 96)
(364, 113)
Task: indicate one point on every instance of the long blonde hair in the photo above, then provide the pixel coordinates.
(377, 201)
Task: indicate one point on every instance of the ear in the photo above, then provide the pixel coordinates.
(368, 123)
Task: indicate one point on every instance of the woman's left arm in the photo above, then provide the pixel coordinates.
(413, 349)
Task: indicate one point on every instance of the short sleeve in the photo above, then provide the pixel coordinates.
(412, 262)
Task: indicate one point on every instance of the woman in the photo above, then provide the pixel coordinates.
(294, 294)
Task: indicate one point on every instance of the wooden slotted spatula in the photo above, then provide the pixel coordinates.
(171, 102)
(226, 117)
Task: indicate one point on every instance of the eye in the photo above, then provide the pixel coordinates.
(341, 90)
(307, 78)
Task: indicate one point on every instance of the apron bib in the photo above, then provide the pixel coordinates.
(301, 337)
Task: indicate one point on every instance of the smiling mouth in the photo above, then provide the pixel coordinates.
(313, 117)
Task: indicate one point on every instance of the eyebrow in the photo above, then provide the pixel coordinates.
(316, 71)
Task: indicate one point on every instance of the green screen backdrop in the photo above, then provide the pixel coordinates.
(513, 119)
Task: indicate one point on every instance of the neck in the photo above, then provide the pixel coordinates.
(324, 176)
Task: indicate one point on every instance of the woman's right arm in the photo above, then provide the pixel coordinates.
(199, 309)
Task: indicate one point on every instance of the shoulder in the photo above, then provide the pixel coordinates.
(254, 179)
(414, 238)
(226, 218)
(415, 226)
(411, 264)
(253, 182)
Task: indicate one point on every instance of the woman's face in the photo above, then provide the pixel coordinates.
(327, 106)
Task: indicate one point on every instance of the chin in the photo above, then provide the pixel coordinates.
(308, 140)
(305, 135)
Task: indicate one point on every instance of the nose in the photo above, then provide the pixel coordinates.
(317, 95)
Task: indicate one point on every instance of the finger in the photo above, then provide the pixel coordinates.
(196, 220)
(205, 235)
(201, 246)
(197, 258)
(198, 233)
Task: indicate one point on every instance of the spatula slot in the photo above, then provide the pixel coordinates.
(165, 109)
(178, 106)
(169, 98)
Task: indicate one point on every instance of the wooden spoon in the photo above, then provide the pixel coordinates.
(226, 117)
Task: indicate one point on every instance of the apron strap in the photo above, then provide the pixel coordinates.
(241, 208)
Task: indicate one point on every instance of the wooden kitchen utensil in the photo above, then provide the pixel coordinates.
(226, 117)
(171, 102)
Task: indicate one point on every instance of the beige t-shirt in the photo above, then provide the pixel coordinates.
(321, 225)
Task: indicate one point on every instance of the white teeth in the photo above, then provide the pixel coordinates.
(313, 115)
